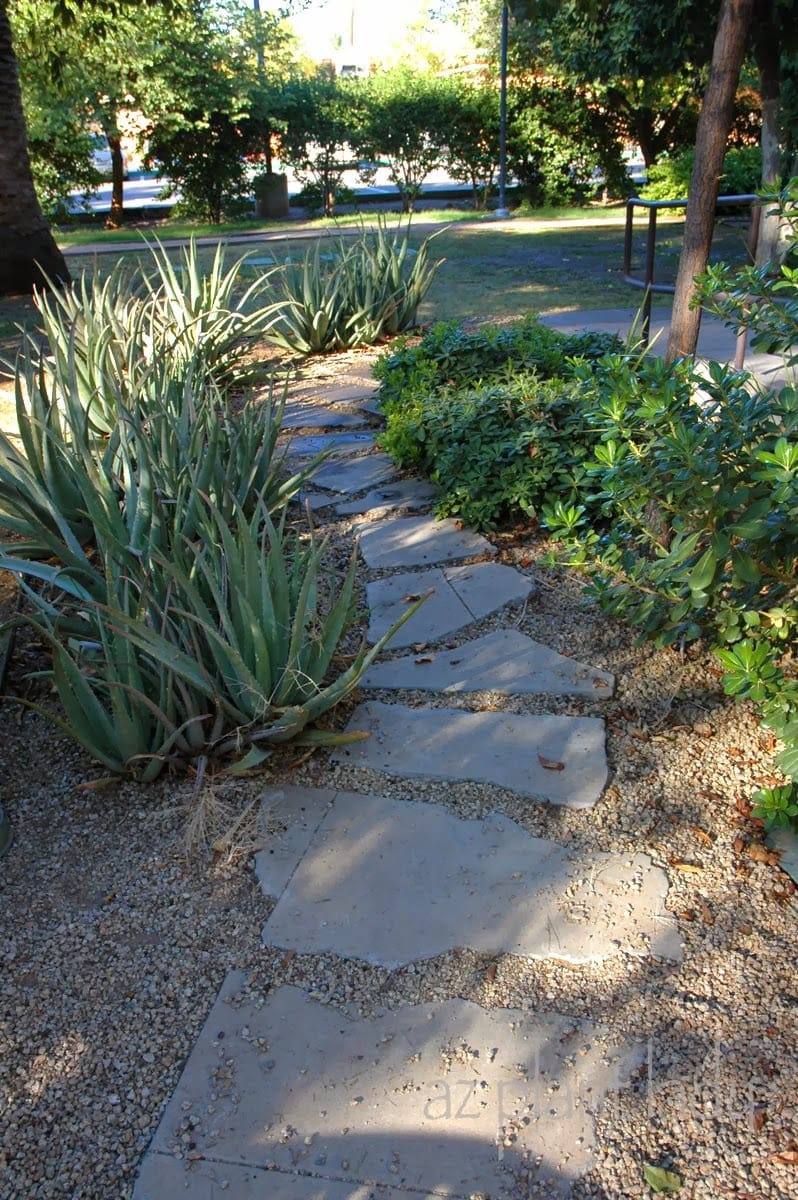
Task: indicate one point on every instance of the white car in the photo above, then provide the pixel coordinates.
(101, 156)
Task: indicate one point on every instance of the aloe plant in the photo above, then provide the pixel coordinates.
(219, 652)
(348, 293)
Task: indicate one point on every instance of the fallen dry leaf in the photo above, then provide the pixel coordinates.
(410, 598)
(687, 867)
(490, 974)
(425, 658)
(758, 852)
(706, 911)
(549, 764)
(758, 1117)
(790, 1157)
(703, 729)
(701, 834)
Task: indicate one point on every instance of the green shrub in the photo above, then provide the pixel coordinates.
(352, 292)
(448, 355)
(669, 178)
(697, 483)
(491, 416)
(766, 304)
(495, 451)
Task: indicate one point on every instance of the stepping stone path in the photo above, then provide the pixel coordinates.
(560, 759)
(497, 889)
(295, 1099)
(505, 661)
(459, 596)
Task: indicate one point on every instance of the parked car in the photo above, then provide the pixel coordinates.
(101, 156)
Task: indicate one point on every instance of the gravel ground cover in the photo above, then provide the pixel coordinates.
(115, 939)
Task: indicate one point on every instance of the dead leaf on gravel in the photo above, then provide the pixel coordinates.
(703, 729)
(550, 764)
(688, 867)
(758, 852)
(706, 911)
(490, 974)
(701, 835)
(758, 1117)
(789, 1157)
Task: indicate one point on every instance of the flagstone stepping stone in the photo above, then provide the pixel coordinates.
(163, 1176)
(300, 811)
(460, 595)
(393, 881)
(336, 443)
(354, 392)
(505, 661)
(430, 1100)
(786, 842)
(355, 475)
(417, 541)
(311, 416)
(405, 493)
(556, 758)
(315, 500)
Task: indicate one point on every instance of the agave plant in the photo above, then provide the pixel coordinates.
(363, 291)
(134, 490)
(221, 651)
(199, 319)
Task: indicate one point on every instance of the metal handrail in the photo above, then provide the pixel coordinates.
(648, 282)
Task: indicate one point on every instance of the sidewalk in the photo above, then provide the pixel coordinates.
(716, 341)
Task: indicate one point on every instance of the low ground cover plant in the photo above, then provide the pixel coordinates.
(494, 416)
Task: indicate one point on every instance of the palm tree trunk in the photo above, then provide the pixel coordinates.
(29, 256)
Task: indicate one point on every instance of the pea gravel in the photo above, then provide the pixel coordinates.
(115, 939)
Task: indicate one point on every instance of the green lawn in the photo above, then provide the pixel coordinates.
(491, 270)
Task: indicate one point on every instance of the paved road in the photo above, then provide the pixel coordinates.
(144, 191)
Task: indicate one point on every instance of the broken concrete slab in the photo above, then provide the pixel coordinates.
(290, 816)
(306, 446)
(405, 493)
(355, 475)
(394, 881)
(314, 499)
(164, 1177)
(349, 392)
(786, 842)
(431, 1100)
(417, 541)
(556, 758)
(505, 661)
(460, 595)
(319, 416)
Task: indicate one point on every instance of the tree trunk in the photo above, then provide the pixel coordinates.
(714, 124)
(115, 217)
(768, 60)
(28, 252)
